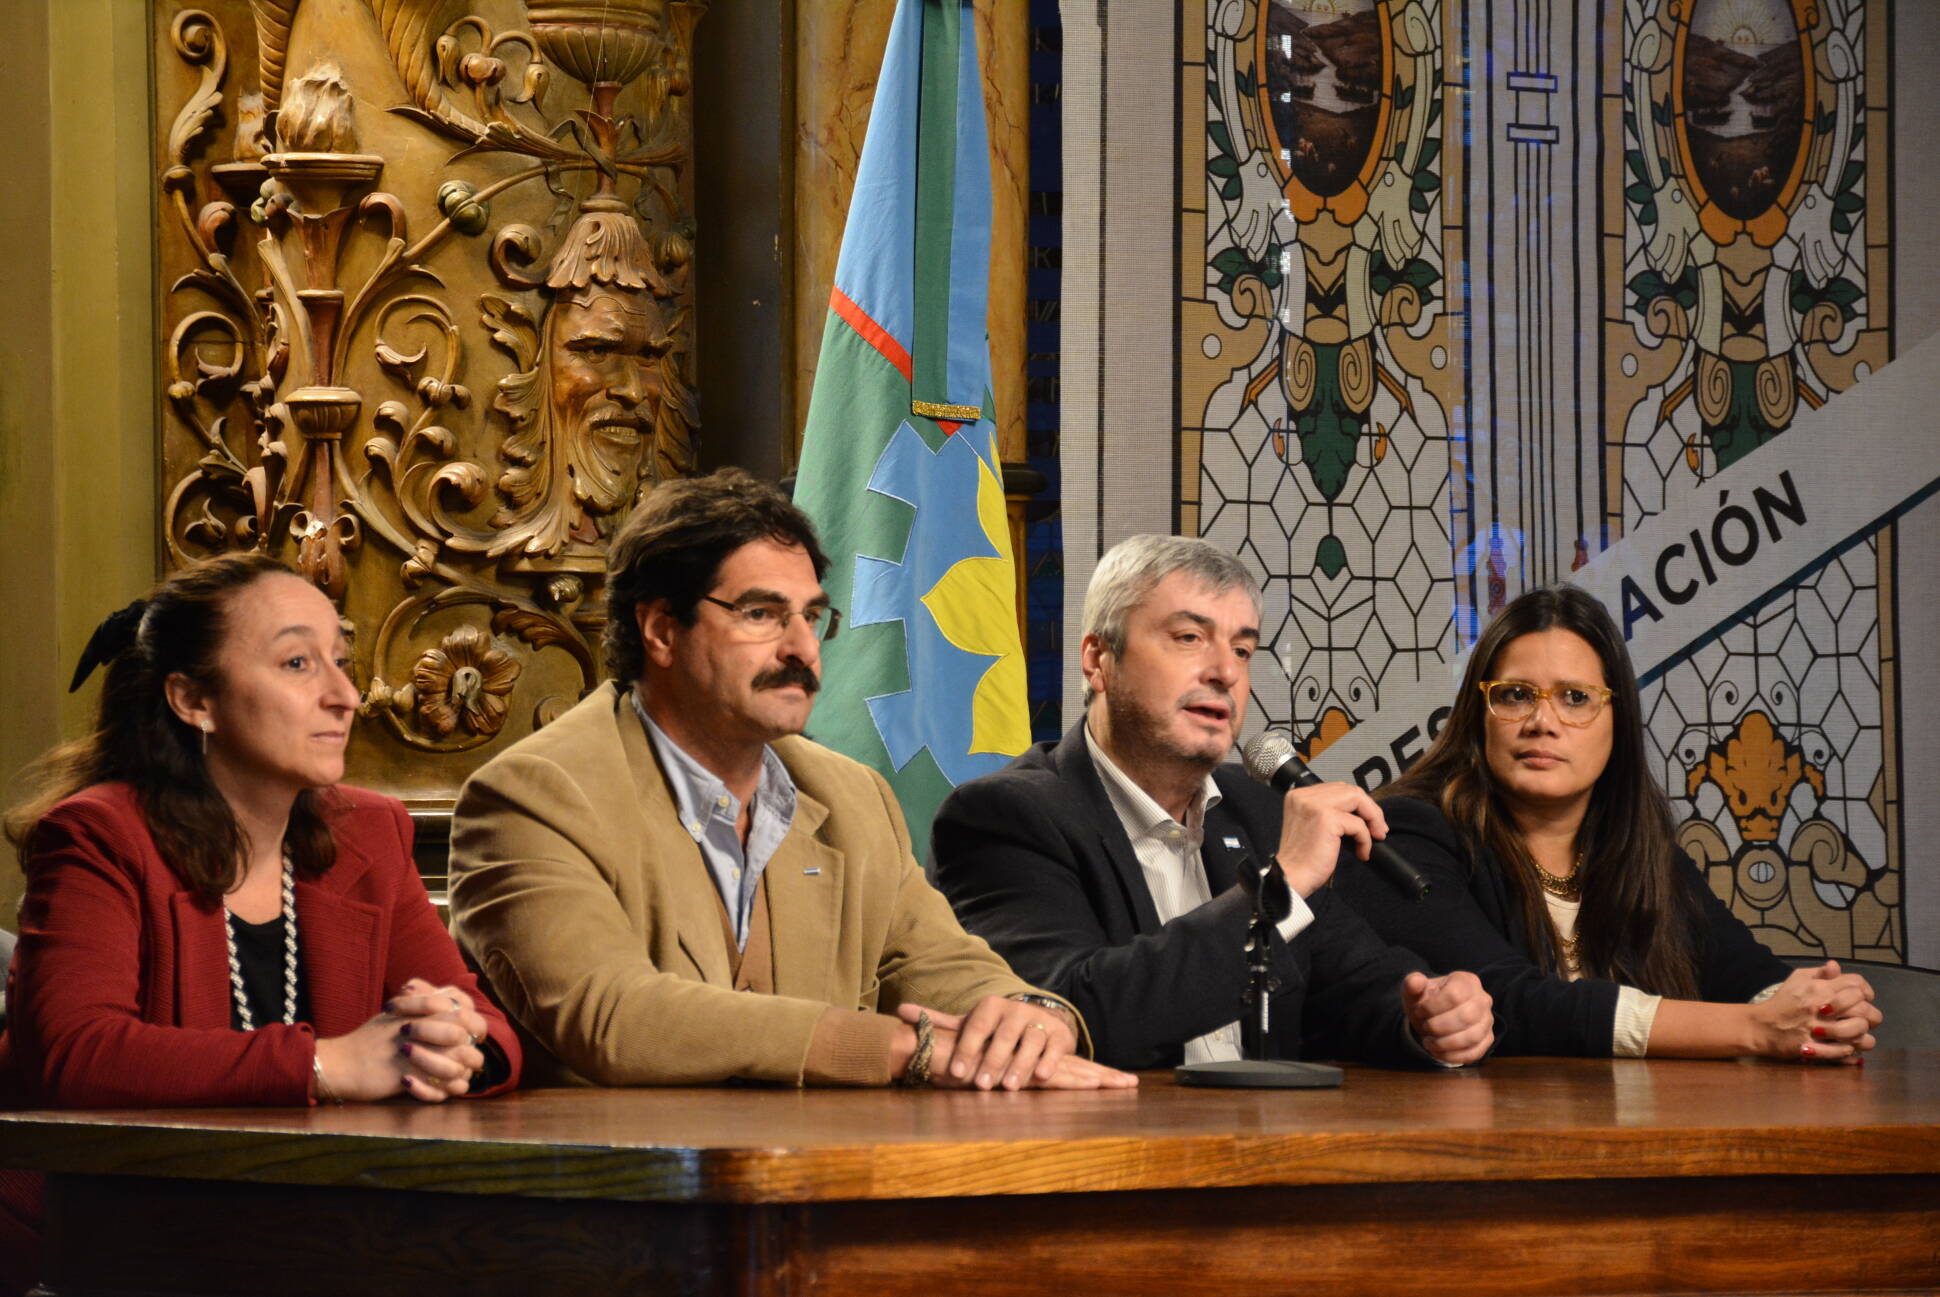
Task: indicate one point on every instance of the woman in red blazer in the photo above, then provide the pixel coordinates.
(211, 919)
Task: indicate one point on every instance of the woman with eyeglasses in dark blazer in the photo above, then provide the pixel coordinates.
(1556, 877)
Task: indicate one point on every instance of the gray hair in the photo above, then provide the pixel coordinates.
(1130, 569)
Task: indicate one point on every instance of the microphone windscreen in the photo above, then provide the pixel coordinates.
(1266, 752)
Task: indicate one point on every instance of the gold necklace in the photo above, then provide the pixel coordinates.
(1567, 888)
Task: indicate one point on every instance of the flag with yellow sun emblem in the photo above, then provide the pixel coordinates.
(899, 464)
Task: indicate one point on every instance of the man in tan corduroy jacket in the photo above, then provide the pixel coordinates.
(668, 885)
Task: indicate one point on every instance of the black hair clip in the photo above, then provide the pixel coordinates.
(110, 640)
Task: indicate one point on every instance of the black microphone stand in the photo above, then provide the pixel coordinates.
(1272, 902)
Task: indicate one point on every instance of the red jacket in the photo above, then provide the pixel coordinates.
(120, 991)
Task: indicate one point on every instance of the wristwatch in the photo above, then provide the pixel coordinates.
(1058, 1007)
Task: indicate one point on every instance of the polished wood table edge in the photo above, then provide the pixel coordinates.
(953, 1171)
(1473, 1136)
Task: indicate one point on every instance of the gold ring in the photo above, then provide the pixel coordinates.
(1041, 1027)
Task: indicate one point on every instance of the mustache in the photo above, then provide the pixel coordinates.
(610, 413)
(1196, 697)
(792, 673)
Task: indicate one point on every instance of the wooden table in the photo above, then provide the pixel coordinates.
(1525, 1176)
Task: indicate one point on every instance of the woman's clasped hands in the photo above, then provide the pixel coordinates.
(424, 1044)
(1819, 1015)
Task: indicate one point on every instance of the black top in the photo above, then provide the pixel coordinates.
(1036, 861)
(259, 954)
(1468, 920)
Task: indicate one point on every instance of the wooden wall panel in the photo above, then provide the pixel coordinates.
(427, 331)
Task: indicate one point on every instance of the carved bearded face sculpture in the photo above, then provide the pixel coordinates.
(602, 360)
(598, 405)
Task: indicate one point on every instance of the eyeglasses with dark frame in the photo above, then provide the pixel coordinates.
(766, 620)
(1515, 700)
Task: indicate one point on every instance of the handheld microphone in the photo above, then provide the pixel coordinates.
(1270, 758)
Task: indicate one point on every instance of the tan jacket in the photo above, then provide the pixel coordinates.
(594, 919)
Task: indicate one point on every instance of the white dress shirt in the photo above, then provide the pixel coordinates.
(1168, 856)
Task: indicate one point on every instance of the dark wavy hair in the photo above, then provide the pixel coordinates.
(139, 740)
(1635, 926)
(673, 545)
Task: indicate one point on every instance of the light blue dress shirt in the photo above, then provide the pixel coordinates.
(709, 813)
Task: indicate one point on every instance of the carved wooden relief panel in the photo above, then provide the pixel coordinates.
(427, 331)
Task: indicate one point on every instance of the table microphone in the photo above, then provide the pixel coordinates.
(1270, 758)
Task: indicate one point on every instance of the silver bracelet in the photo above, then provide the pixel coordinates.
(324, 1092)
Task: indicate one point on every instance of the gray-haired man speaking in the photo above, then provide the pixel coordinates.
(1105, 867)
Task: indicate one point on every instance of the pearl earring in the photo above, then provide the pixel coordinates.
(208, 728)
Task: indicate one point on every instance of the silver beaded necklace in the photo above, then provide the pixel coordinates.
(243, 1015)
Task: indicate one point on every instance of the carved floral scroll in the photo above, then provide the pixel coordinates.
(425, 295)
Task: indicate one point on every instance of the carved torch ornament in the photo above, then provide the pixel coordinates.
(317, 360)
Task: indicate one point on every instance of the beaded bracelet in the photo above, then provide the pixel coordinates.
(917, 1072)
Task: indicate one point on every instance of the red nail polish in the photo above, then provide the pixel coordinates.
(1818, 1033)
(1825, 1011)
